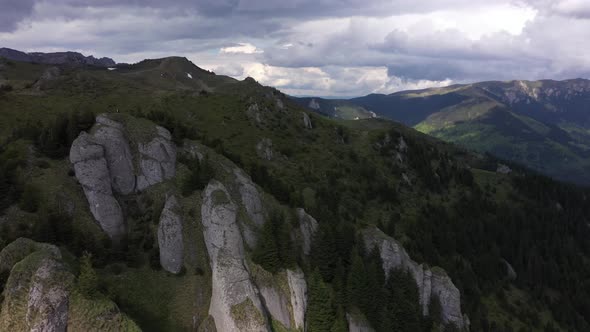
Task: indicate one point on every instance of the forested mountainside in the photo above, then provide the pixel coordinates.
(162, 197)
(541, 124)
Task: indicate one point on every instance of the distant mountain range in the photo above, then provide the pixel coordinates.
(56, 58)
(544, 125)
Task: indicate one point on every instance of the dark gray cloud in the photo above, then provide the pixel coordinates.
(320, 46)
(14, 11)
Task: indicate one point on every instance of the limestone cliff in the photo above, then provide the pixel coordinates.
(430, 281)
(120, 155)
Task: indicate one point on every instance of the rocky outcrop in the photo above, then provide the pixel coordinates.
(503, 169)
(49, 75)
(170, 238)
(284, 295)
(277, 305)
(92, 172)
(104, 166)
(250, 197)
(306, 121)
(314, 105)
(298, 289)
(264, 149)
(37, 290)
(235, 304)
(47, 307)
(157, 159)
(429, 281)
(307, 226)
(110, 135)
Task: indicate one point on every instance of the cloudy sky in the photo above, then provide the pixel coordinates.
(321, 47)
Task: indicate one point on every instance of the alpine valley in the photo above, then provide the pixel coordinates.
(159, 196)
(544, 125)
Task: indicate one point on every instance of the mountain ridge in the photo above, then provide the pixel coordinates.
(56, 58)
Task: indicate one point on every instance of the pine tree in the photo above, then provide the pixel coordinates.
(87, 280)
(320, 313)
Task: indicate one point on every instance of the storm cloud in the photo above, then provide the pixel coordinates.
(320, 47)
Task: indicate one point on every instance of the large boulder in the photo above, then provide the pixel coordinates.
(298, 290)
(307, 226)
(235, 303)
(170, 238)
(111, 136)
(306, 121)
(92, 171)
(429, 281)
(157, 159)
(105, 165)
(36, 294)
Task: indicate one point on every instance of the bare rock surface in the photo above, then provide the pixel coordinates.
(429, 281)
(235, 303)
(170, 238)
(298, 289)
(93, 173)
(105, 166)
(307, 226)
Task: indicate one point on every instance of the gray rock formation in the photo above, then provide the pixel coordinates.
(93, 174)
(170, 238)
(298, 289)
(235, 305)
(314, 105)
(37, 290)
(157, 160)
(429, 281)
(306, 121)
(307, 226)
(110, 135)
(264, 149)
(250, 197)
(277, 305)
(503, 169)
(358, 324)
(280, 104)
(104, 165)
(47, 307)
(50, 74)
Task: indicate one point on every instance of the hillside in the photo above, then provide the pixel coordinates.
(542, 124)
(162, 197)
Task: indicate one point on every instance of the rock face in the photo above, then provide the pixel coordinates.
(47, 308)
(277, 305)
(170, 238)
(429, 281)
(264, 149)
(48, 75)
(110, 135)
(298, 288)
(235, 305)
(250, 197)
(37, 290)
(252, 203)
(157, 159)
(92, 172)
(104, 166)
(307, 226)
(306, 121)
